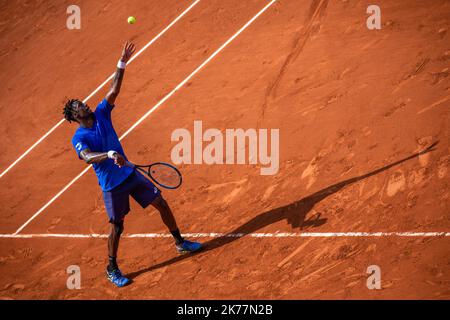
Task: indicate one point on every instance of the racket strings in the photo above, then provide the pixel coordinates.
(165, 175)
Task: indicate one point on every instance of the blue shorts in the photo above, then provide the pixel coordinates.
(117, 200)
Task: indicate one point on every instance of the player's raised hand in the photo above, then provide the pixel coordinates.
(128, 50)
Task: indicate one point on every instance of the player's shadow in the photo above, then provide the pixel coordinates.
(295, 214)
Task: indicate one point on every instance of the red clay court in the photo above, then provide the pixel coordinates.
(354, 108)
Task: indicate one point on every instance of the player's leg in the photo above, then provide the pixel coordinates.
(183, 246)
(167, 217)
(146, 193)
(113, 272)
(117, 204)
(113, 244)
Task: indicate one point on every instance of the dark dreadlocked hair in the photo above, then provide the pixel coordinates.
(68, 110)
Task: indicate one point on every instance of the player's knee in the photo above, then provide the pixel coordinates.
(118, 228)
(164, 203)
(161, 204)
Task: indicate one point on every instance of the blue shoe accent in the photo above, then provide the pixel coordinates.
(188, 246)
(117, 278)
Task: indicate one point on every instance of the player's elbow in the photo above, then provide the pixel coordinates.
(114, 92)
(86, 159)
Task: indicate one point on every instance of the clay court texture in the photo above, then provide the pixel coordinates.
(354, 107)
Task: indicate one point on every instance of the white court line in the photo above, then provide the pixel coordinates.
(99, 87)
(237, 235)
(152, 110)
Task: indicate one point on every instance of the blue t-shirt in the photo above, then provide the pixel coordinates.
(102, 138)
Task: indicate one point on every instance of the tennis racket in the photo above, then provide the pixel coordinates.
(163, 174)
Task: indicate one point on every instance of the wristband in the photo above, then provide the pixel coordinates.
(112, 154)
(121, 64)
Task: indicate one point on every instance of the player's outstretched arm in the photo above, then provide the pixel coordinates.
(127, 52)
(97, 157)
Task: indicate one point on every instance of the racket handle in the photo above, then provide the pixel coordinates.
(129, 164)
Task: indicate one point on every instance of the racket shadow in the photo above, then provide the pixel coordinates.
(295, 214)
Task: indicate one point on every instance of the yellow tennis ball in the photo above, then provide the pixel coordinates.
(131, 20)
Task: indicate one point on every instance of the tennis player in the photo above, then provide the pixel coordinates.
(97, 143)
